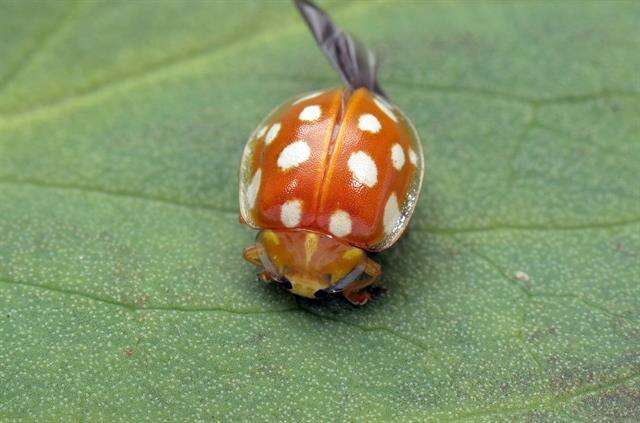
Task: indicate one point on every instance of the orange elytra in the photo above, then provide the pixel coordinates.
(330, 175)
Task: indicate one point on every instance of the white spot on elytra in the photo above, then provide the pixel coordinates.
(310, 113)
(521, 276)
(291, 213)
(413, 157)
(261, 132)
(369, 123)
(273, 133)
(397, 156)
(293, 155)
(340, 223)
(308, 97)
(386, 109)
(363, 168)
(252, 189)
(391, 213)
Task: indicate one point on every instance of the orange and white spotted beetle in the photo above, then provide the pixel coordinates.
(330, 175)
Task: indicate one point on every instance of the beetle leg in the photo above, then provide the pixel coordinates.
(264, 276)
(252, 255)
(372, 268)
(356, 293)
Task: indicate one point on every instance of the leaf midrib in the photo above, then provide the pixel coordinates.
(495, 227)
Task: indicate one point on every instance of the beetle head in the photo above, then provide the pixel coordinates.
(307, 263)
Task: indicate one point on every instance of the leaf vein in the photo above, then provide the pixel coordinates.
(41, 41)
(367, 329)
(606, 93)
(547, 402)
(136, 307)
(118, 193)
(497, 94)
(580, 299)
(134, 195)
(133, 77)
(529, 227)
(529, 124)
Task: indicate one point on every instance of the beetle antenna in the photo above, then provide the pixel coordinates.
(356, 64)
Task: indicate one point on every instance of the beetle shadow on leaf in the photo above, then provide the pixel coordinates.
(400, 267)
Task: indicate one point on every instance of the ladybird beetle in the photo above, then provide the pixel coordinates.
(329, 176)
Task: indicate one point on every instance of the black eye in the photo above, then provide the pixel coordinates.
(321, 293)
(285, 283)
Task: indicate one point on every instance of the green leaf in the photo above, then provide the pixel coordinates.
(123, 294)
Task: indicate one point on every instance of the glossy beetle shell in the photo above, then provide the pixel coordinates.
(339, 162)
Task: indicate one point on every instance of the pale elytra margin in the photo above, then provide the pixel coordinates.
(273, 133)
(391, 213)
(382, 105)
(413, 157)
(261, 131)
(307, 97)
(252, 189)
